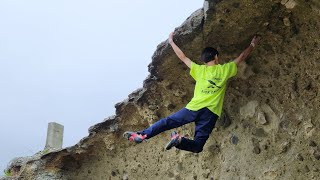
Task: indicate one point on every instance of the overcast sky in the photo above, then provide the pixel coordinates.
(70, 61)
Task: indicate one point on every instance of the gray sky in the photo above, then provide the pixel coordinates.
(70, 61)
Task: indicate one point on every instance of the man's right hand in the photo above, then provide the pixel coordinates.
(255, 41)
(248, 50)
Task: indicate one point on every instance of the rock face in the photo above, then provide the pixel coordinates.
(272, 105)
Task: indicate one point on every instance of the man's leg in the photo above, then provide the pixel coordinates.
(204, 126)
(175, 120)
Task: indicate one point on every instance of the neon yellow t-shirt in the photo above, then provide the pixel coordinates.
(210, 88)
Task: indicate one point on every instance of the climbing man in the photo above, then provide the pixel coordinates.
(206, 105)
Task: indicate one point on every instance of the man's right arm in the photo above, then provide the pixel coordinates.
(247, 51)
(178, 51)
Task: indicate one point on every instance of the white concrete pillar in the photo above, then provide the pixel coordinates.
(54, 136)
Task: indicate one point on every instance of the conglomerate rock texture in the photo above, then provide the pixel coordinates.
(271, 120)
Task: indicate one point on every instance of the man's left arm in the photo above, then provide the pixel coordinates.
(247, 51)
(178, 52)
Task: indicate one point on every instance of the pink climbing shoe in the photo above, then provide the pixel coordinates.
(134, 136)
(175, 140)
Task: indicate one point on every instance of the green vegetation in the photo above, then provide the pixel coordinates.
(7, 173)
(45, 151)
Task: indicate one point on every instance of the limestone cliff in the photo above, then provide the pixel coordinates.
(270, 126)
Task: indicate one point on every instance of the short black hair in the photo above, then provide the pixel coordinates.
(208, 54)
